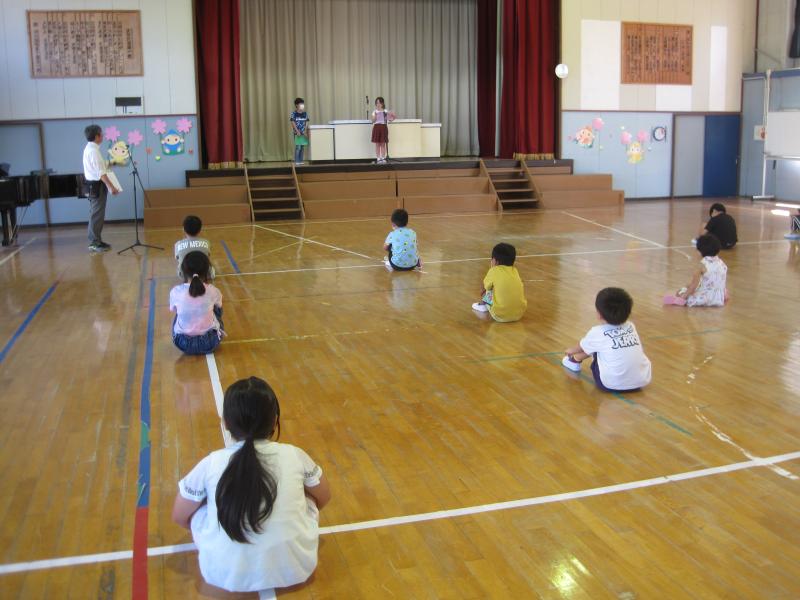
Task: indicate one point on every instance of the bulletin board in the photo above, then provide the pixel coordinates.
(656, 53)
(85, 43)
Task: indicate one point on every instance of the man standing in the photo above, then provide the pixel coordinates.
(95, 171)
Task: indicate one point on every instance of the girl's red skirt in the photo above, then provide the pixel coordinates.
(380, 133)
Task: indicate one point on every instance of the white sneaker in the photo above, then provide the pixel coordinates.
(571, 364)
(388, 265)
(480, 307)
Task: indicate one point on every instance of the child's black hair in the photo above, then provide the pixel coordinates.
(504, 254)
(400, 217)
(195, 267)
(708, 245)
(381, 100)
(192, 225)
(299, 101)
(614, 305)
(246, 491)
(718, 207)
(91, 132)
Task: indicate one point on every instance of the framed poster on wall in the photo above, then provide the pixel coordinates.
(655, 53)
(85, 43)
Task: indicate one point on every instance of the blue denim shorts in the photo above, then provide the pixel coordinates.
(198, 344)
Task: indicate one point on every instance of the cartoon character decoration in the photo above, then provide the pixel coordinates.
(172, 143)
(586, 136)
(119, 154)
(635, 153)
(634, 148)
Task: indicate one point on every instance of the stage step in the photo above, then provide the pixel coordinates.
(275, 214)
(273, 194)
(520, 204)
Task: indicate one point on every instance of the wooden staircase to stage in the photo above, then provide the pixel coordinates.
(512, 183)
(273, 193)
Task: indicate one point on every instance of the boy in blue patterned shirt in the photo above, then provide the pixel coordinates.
(401, 245)
(299, 121)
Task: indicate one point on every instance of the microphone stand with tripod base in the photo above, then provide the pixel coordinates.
(135, 176)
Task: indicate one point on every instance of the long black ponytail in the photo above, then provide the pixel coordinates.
(246, 491)
(195, 267)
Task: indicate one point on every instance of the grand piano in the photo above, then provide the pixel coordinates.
(23, 190)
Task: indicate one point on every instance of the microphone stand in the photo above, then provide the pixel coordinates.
(135, 176)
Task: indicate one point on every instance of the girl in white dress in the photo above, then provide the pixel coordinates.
(253, 508)
(708, 284)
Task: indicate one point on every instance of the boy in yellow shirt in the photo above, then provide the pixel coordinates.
(503, 295)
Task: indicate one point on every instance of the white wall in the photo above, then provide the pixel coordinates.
(167, 87)
(775, 27)
(724, 37)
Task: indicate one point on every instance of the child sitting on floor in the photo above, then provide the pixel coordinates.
(707, 287)
(253, 508)
(619, 364)
(197, 327)
(401, 245)
(191, 243)
(503, 295)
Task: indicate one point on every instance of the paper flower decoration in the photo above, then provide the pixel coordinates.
(183, 125)
(135, 137)
(159, 126)
(112, 133)
(625, 138)
(642, 136)
(597, 123)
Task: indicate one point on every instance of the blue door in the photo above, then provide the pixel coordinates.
(721, 155)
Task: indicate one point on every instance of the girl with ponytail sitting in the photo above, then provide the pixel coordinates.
(197, 327)
(253, 508)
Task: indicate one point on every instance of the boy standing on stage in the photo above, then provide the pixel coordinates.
(299, 121)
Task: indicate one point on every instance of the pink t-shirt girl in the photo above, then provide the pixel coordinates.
(195, 315)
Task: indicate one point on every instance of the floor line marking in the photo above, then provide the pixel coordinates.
(219, 396)
(24, 325)
(37, 565)
(139, 588)
(310, 241)
(483, 258)
(614, 229)
(15, 252)
(252, 258)
(230, 257)
(724, 437)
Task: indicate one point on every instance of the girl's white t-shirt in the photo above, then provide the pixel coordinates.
(195, 315)
(620, 356)
(284, 553)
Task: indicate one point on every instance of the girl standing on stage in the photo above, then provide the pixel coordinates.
(380, 130)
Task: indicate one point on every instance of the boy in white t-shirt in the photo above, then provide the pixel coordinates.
(619, 363)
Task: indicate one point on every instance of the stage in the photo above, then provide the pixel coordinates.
(358, 188)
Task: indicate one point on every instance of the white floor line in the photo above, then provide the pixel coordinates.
(768, 462)
(724, 437)
(216, 387)
(455, 260)
(15, 252)
(614, 229)
(247, 260)
(310, 241)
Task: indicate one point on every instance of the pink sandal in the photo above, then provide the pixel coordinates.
(676, 300)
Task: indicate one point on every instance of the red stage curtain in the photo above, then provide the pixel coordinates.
(217, 24)
(487, 75)
(528, 102)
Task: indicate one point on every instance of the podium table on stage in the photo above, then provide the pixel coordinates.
(351, 139)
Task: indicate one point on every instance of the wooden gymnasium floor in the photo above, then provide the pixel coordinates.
(412, 404)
